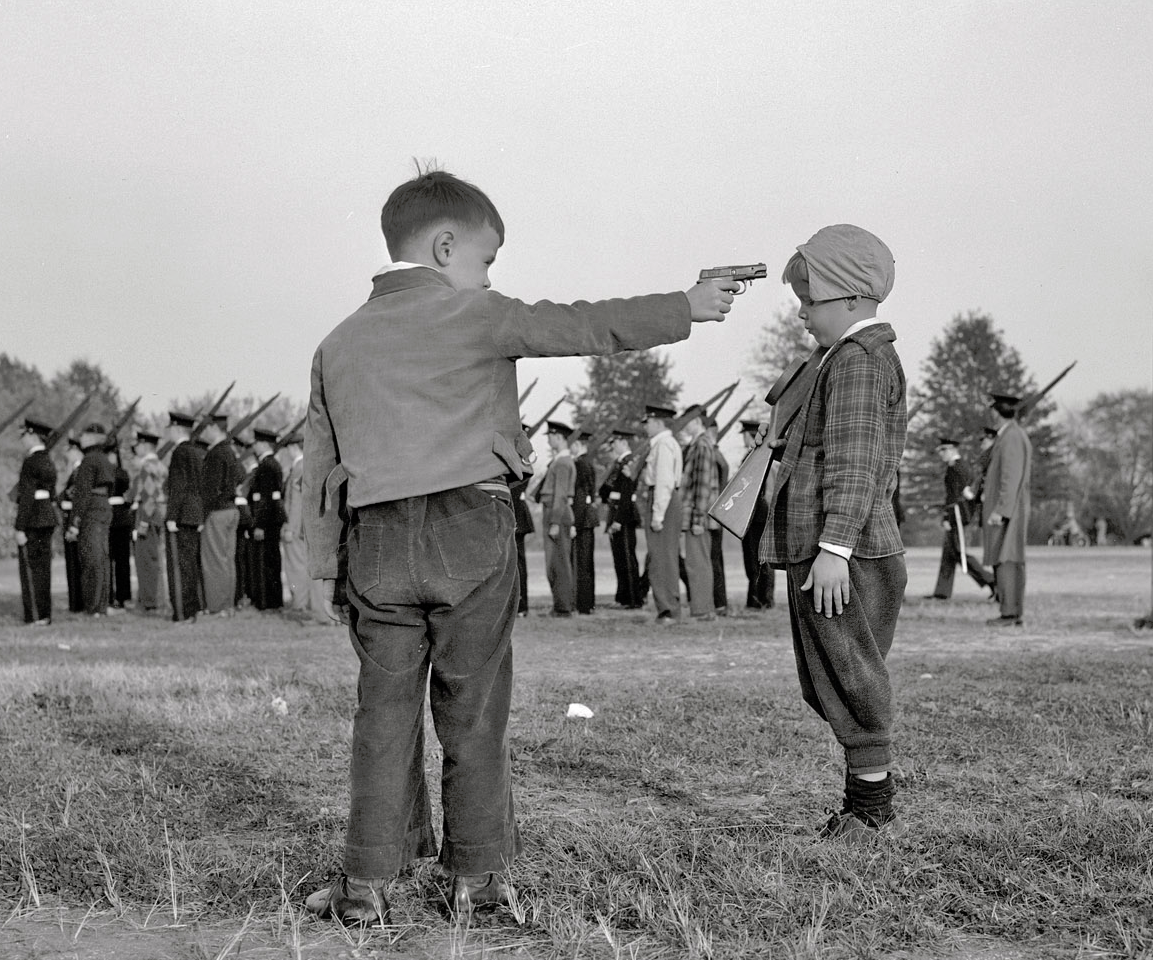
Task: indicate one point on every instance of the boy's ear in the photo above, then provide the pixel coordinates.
(442, 247)
(851, 302)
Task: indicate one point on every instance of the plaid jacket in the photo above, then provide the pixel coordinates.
(699, 483)
(836, 479)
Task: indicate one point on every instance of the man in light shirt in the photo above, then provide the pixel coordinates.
(660, 481)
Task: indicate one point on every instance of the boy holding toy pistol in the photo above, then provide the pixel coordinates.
(413, 432)
(831, 524)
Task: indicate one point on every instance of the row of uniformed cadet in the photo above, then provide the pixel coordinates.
(214, 525)
(667, 494)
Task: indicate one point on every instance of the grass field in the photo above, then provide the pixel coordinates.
(174, 791)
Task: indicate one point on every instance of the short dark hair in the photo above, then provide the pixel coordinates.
(432, 197)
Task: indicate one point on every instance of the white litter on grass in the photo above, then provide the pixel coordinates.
(579, 710)
(280, 705)
(63, 646)
(926, 676)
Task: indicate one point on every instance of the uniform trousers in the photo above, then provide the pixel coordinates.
(268, 591)
(664, 560)
(624, 548)
(950, 559)
(432, 582)
(218, 559)
(307, 595)
(1010, 577)
(558, 569)
(150, 567)
(717, 556)
(183, 563)
(120, 559)
(94, 568)
(583, 571)
(36, 574)
(699, 568)
(72, 575)
(841, 659)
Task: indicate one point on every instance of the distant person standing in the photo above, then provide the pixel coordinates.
(266, 498)
(556, 495)
(36, 522)
(698, 491)
(618, 493)
(92, 517)
(71, 545)
(150, 503)
(306, 596)
(518, 491)
(585, 521)
(222, 474)
(1006, 509)
(959, 495)
(120, 531)
(660, 482)
(760, 575)
(184, 518)
(716, 531)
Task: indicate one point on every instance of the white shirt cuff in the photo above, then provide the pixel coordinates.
(843, 552)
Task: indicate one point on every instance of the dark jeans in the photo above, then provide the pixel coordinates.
(36, 574)
(583, 572)
(841, 659)
(624, 547)
(432, 581)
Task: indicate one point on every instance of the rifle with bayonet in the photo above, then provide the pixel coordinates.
(57, 435)
(548, 413)
(1029, 403)
(527, 390)
(723, 399)
(285, 434)
(119, 425)
(735, 417)
(638, 455)
(13, 417)
(247, 421)
(200, 422)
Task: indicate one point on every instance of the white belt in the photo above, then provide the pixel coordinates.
(241, 501)
(275, 494)
(65, 504)
(256, 498)
(615, 495)
(588, 499)
(42, 495)
(116, 501)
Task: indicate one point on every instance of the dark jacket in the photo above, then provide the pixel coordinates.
(184, 486)
(619, 491)
(584, 508)
(36, 493)
(266, 497)
(222, 475)
(92, 487)
(119, 500)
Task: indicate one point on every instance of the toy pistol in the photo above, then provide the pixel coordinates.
(744, 275)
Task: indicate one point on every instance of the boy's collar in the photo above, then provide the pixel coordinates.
(395, 277)
(402, 265)
(861, 332)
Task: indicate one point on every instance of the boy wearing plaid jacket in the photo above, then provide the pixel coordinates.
(831, 524)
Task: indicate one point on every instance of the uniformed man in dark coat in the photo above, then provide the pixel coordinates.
(184, 518)
(761, 577)
(35, 522)
(524, 526)
(266, 499)
(618, 493)
(585, 521)
(222, 475)
(92, 517)
(71, 546)
(955, 515)
(245, 561)
(119, 532)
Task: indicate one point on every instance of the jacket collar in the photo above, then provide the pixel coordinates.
(393, 281)
(871, 338)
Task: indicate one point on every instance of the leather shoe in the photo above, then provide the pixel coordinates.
(1004, 622)
(351, 901)
(485, 889)
(849, 828)
(933, 596)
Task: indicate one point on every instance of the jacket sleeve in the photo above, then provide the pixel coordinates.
(1012, 475)
(323, 485)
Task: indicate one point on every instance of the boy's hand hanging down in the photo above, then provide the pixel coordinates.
(829, 580)
(711, 299)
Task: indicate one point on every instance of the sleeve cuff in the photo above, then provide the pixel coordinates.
(844, 553)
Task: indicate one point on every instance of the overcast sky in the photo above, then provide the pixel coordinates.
(190, 192)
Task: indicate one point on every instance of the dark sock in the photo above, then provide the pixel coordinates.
(871, 801)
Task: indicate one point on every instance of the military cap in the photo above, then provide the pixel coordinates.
(74, 443)
(1004, 399)
(221, 420)
(696, 410)
(750, 426)
(178, 419)
(991, 432)
(36, 427)
(557, 426)
(143, 436)
(261, 435)
(96, 429)
(623, 433)
(581, 434)
(656, 411)
(947, 442)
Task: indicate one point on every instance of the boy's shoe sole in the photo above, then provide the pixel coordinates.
(848, 828)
